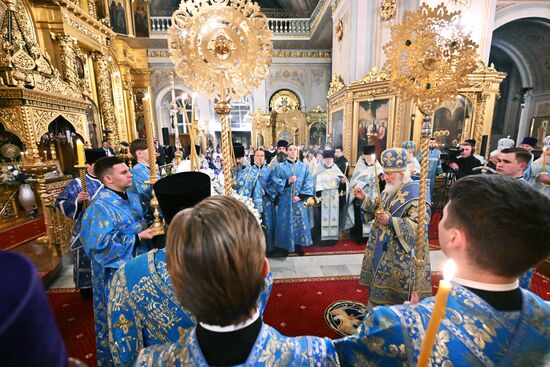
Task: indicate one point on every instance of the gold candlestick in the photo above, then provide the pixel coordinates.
(81, 157)
(380, 209)
(158, 227)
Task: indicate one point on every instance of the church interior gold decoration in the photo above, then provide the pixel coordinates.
(429, 57)
(336, 84)
(339, 30)
(222, 49)
(284, 101)
(387, 9)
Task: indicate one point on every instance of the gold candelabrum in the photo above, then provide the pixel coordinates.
(158, 227)
(428, 58)
(229, 59)
(33, 165)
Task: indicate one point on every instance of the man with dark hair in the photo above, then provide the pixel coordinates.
(528, 143)
(340, 160)
(473, 143)
(490, 319)
(141, 174)
(466, 162)
(512, 162)
(280, 157)
(293, 184)
(216, 260)
(111, 233)
(106, 146)
(72, 203)
(132, 325)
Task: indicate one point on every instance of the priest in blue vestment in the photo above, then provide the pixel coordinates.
(489, 319)
(141, 174)
(329, 181)
(254, 182)
(218, 267)
(112, 232)
(388, 265)
(71, 201)
(293, 184)
(539, 171)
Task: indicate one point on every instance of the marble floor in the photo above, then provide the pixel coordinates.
(290, 267)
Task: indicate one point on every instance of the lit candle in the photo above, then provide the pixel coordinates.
(544, 160)
(45, 155)
(437, 314)
(81, 157)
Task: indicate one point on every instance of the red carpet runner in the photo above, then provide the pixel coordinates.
(22, 233)
(295, 307)
(341, 247)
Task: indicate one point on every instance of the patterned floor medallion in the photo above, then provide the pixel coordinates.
(344, 317)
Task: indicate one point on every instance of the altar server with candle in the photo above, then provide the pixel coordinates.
(71, 201)
(487, 319)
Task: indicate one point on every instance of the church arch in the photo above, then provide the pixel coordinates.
(520, 11)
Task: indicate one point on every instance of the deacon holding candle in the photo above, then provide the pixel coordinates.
(482, 317)
(72, 202)
(388, 265)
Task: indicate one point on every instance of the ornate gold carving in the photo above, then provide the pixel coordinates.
(375, 75)
(141, 71)
(284, 101)
(232, 55)
(105, 93)
(13, 122)
(336, 85)
(335, 5)
(387, 9)
(85, 30)
(67, 45)
(373, 92)
(429, 57)
(348, 126)
(339, 30)
(301, 54)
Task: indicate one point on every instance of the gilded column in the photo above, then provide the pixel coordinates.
(127, 86)
(67, 44)
(105, 94)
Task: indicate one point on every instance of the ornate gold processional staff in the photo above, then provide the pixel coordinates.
(429, 57)
(222, 49)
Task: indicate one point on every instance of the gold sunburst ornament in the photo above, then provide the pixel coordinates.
(222, 49)
(429, 57)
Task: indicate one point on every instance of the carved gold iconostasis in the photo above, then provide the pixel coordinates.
(287, 122)
(368, 111)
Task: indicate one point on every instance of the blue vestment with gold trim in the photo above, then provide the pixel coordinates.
(271, 349)
(292, 221)
(388, 266)
(109, 235)
(143, 190)
(247, 184)
(66, 201)
(471, 334)
(144, 311)
(268, 213)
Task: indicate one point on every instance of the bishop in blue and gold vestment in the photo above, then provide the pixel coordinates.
(292, 221)
(110, 234)
(68, 202)
(388, 264)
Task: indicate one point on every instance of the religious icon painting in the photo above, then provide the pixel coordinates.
(540, 128)
(344, 317)
(449, 121)
(337, 128)
(318, 134)
(372, 123)
(117, 14)
(141, 22)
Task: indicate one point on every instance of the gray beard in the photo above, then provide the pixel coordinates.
(391, 189)
(281, 157)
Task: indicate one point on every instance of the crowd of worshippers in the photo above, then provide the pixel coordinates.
(197, 298)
